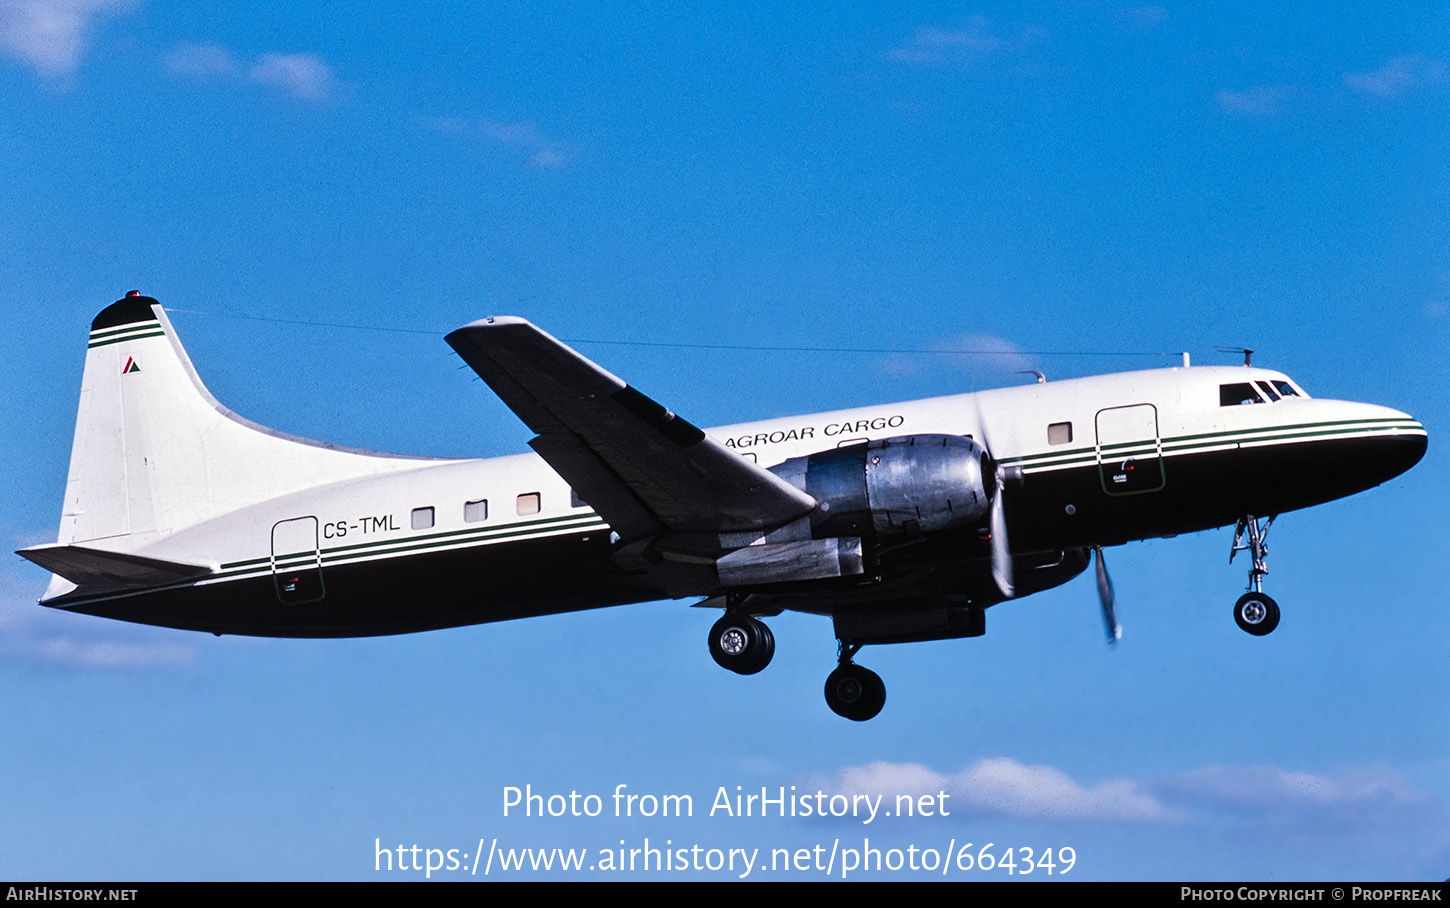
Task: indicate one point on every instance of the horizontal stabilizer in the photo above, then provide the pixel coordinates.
(101, 571)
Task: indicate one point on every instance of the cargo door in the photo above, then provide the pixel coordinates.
(1129, 451)
(297, 561)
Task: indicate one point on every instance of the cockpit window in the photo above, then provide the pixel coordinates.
(1267, 389)
(1285, 388)
(1238, 393)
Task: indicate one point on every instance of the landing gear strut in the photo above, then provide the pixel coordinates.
(741, 643)
(1255, 612)
(853, 692)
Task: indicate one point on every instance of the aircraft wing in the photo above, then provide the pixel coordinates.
(645, 470)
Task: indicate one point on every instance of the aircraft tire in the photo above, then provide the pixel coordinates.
(741, 644)
(1256, 614)
(855, 693)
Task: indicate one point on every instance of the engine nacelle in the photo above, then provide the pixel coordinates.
(895, 486)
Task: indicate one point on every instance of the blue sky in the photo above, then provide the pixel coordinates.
(1056, 181)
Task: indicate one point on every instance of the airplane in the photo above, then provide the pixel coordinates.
(901, 522)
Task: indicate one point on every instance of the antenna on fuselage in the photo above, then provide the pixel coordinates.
(1041, 379)
(1248, 354)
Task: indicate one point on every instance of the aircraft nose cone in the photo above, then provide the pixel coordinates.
(1405, 447)
(1396, 442)
(1364, 445)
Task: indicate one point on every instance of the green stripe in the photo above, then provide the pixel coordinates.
(447, 539)
(1384, 421)
(480, 532)
(414, 545)
(1183, 444)
(156, 332)
(122, 329)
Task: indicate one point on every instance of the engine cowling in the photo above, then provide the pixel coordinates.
(895, 486)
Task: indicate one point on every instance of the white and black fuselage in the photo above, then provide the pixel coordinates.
(179, 513)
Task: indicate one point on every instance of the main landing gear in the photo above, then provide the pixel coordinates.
(744, 645)
(853, 692)
(741, 643)
(1255, 612)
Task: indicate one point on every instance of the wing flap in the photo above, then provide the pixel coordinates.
(645, 470)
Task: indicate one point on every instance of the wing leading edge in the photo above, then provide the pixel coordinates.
(647, 471)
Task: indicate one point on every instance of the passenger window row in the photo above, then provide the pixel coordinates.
(525, 505)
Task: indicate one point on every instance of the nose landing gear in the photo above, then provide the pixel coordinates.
(1255, 612)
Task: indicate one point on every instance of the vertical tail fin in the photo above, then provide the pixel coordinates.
(155, 453)
(98, 489)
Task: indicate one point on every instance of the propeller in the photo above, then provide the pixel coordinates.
(997, 514)
(1001, 553)
(1105, 596)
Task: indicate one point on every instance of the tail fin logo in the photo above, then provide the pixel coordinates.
(131, 366)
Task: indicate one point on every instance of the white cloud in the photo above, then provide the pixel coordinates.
(969, 350)
(32, 633)
(1397, 76)
(984, 354)
(1259, 101)
(113, 654)
(523, 134)
(1344, 804)
(1006, 787)
(1267, 790)
(302, 76)
(52, 35)
(542, 151)
(549, 158)
(961, 46)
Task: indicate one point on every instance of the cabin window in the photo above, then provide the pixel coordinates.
(1237, 394)
(1059, 433)
(529, 503)
(422, 518)
(475, 511)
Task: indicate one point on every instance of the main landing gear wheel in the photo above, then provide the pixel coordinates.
(741, 643)
(855, 693)
(1256, 613)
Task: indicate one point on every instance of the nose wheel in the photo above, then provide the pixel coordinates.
(1256, 614)
(853, 692)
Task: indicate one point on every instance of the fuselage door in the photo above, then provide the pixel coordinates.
(297, 561)
(1130, 453)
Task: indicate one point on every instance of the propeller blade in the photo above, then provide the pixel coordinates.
(997, 516)
(1001, 554)
(1106, 597)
